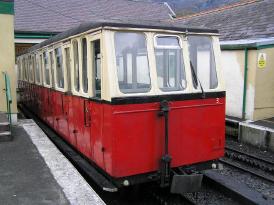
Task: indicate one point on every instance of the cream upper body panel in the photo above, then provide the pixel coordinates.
(107, 64)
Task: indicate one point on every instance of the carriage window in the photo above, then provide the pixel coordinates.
(46, 68)
(202, 62)
(40, 64)
(59, 68)
(132, 62)
(30, 69)
(76, 66)
(19, 69)
(37, 71)
(84, 66)
(51, 62)
(25, 69)
(169, 64)
(67, 56)
(96, 56)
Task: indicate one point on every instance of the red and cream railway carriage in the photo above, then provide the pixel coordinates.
(142, 101)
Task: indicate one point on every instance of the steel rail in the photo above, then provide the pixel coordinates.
(270, 179)
(250, 155)
(238, 191)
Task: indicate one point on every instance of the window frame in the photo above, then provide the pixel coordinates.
(73, 89)
(167, 35)
(44, 69)
(81, 87)
(31, 72)
(181, 46)
(26, 68)
(37, 62)
(198, 88)
(147, 37)
(56, 87)
(90, 61)
(89, 39)
(19, 69)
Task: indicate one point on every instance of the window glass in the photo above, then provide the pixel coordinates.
(41, 64)
(84, 66)
(67, 55)
(169, 64)
(31, 69)
(37, 71)
(46, 68)
(51, 62)
(76, 66)
(59, 68)
(19, 69)
(202, 62)
(25, 69)
(132, 62)
(97, 66)
(169, 41)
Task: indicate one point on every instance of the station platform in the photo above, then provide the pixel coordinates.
(34, 171)
(257, 133)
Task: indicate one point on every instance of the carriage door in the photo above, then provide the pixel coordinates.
(96, 108)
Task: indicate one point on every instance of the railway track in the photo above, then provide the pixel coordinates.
(250, 163)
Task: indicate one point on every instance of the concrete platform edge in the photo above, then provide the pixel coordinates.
(256, 135)
(76, 189)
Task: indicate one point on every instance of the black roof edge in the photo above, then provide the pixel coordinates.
(121, 24)
(37, 32)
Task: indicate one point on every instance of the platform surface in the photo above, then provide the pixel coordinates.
(268, 123)
(33, 171)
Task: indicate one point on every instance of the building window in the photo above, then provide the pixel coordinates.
(132, 62)
(59, 68)
(169, 63)
(76, 66)
(84, 66)
(202, 62)
(46, 68)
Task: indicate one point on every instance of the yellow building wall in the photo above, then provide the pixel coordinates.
(7, 60)
(264, 90)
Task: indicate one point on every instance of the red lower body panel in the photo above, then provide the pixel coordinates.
(128, 139)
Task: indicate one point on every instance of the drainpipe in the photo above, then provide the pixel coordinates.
(245, 84)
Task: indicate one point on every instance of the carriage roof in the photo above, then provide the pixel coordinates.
(157, 25)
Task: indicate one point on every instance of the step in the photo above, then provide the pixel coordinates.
(4, 126)
(5, 136)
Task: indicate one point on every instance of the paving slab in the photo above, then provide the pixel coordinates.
(34, 171)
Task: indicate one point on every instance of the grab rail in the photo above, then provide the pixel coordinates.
(8, 96)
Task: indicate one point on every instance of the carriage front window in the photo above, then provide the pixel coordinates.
(169, 63)
(132, 62)
(202, 62)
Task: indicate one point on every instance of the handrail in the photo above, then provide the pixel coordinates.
(8, 96)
